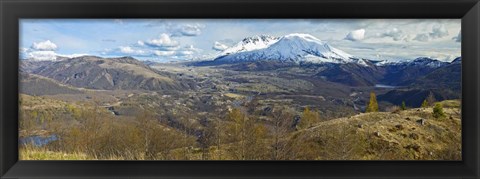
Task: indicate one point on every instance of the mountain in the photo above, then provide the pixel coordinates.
(261, 53)
(352, 74)
(457, 60)
(446, 77)
(28, 66)
(415, 96)
(108, 74)
(251, 43)
(296, 48)
(423, 61)
(406, 72)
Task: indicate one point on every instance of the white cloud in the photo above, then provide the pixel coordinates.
(73, 55)
(24, 50)
(186, 29)
(191, 30)
(219, 46)
(164, 40)
(42, 55)
(438, 31)
(356, 35)
(163, 53)
(44, 46)
(422, 37)
(49, 55)
(44, 51)
(395, 34)
(186, 52)
(127, 50)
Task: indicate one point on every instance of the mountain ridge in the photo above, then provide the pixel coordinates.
(107, 73)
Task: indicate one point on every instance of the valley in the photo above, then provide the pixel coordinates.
(267, 94)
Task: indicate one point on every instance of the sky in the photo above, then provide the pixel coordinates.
(166, 40)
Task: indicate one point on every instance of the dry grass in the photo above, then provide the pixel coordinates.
(40, 153)
(403, 134)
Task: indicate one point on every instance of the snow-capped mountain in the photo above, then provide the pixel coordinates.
(290, 48)
(420, 61)
(251, 43)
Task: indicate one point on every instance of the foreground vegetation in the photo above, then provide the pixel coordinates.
(87, 131)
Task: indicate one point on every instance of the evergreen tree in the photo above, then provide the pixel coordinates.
(425, 103)
(404, 107)
(438, 111)
(372, 105)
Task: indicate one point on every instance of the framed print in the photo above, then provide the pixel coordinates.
(240, 89)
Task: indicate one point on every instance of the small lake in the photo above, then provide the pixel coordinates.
(37, 140)
(384, 86)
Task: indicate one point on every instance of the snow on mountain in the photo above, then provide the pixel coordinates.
(391, 62)
(433, 63)
(251, 43)
(421, 61)
(289, 48)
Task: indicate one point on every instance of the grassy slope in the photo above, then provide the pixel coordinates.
(402, 133)
(35, 153)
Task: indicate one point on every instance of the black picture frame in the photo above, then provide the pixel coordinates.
(12, 10)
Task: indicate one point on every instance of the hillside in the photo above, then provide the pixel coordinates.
(412, 134)
(394, 135)
(108, 73)
(37, 85)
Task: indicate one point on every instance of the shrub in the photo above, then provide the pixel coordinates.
(438, 111)
(424, 104)
(404, 107)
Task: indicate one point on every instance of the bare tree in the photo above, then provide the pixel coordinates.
(282, 119)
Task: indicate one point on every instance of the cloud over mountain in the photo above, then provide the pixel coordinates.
(219, 46)
(395, 34)
(44, 46)
(190, 30)
(185, 29)
(163, 41)
(356, 35)
(44, 51)
(438, 31)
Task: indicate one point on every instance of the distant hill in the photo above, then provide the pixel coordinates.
(107, 73)
(446, 77)
(405, 73)
(414, 97)
(36, 85)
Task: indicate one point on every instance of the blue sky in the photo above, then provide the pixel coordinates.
(185, 39)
